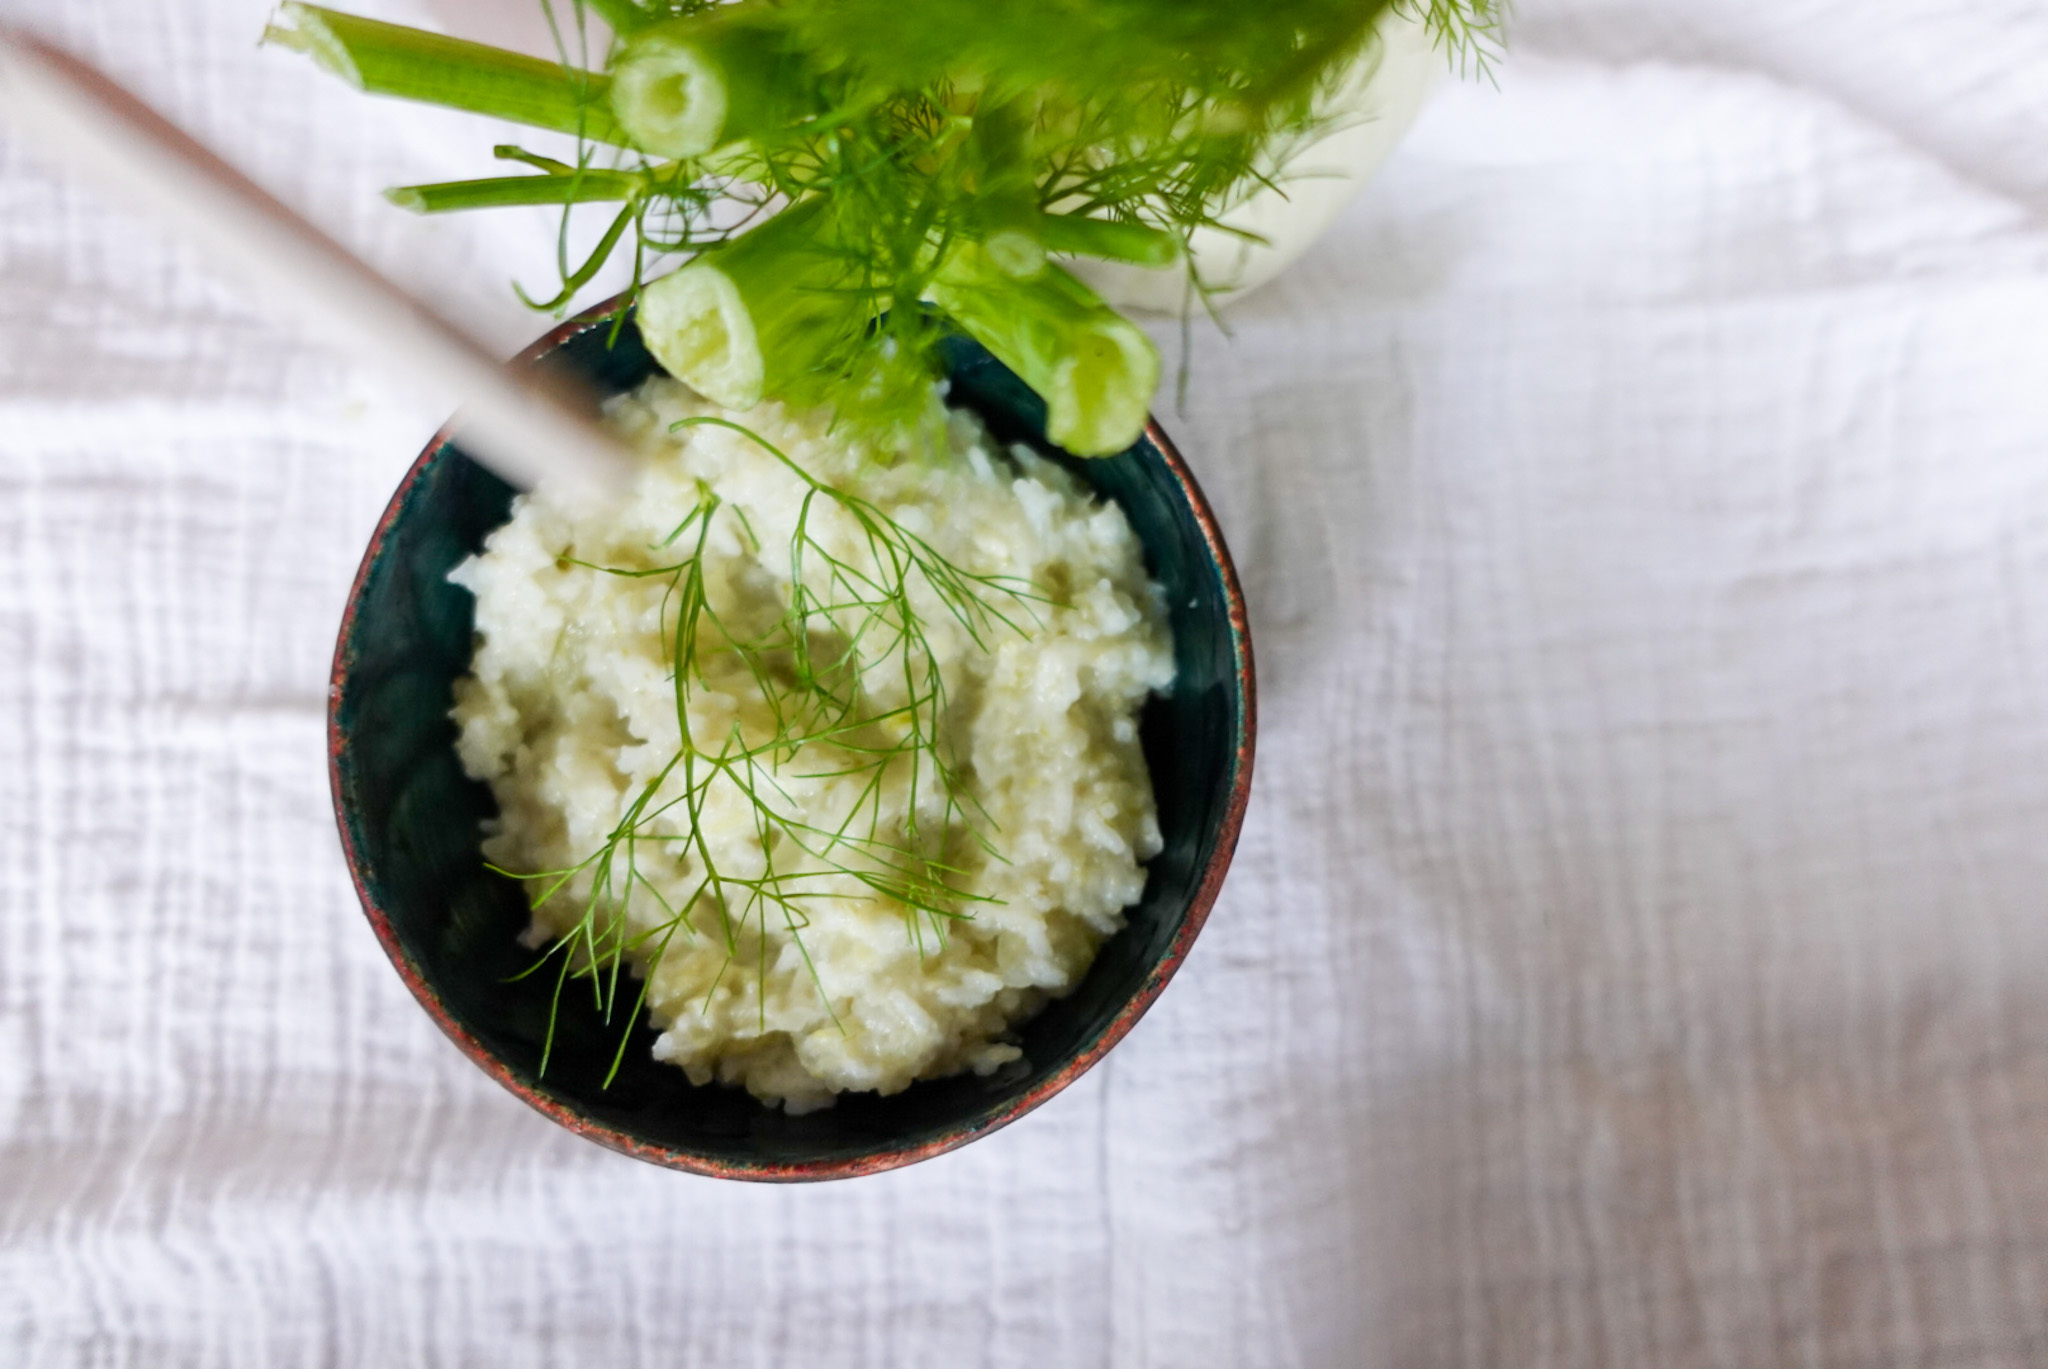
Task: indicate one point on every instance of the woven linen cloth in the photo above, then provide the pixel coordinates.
(1637, 954)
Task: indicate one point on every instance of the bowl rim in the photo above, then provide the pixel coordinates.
(874, 1162)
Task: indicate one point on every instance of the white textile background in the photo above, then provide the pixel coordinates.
(1638, 950)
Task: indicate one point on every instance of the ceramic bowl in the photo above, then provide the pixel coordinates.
(410, 819)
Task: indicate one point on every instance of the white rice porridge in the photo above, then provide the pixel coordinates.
(570, 713)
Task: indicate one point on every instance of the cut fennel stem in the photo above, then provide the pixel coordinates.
(746, 318)
(1095, 369)
(687, 86)
(412, 64)
(741, 321)
(669, 97)
(698, 328)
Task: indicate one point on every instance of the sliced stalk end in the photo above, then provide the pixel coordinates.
(699, 328)
(1095, 369)
(1101, 391)
(669, 98)
(407, 197)
(309, 33)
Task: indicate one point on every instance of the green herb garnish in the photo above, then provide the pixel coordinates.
(849, 616)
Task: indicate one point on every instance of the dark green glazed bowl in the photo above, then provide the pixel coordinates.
(409, 820)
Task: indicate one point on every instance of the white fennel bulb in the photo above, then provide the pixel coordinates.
(1370, 109)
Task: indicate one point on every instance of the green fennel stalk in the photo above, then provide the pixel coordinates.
(390, 59)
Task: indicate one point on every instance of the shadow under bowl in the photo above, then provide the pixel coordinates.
(410, 819)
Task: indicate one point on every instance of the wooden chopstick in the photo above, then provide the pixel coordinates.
(523, 424)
